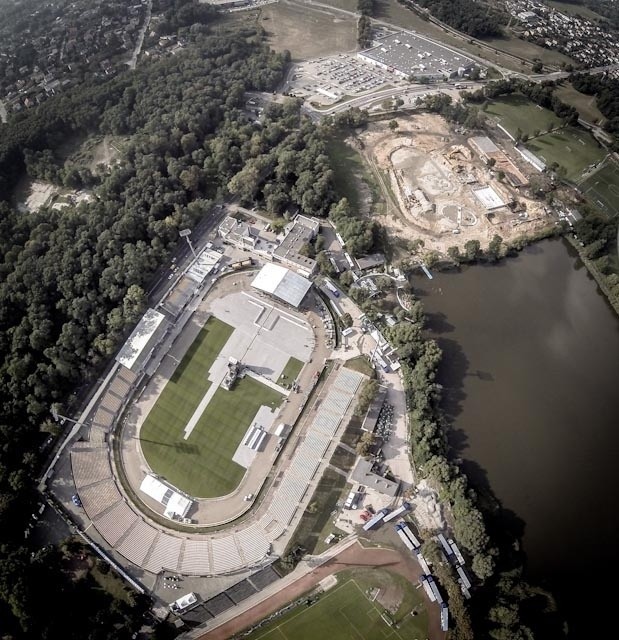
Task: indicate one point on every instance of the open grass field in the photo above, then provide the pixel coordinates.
(518, 112)
(584, 104)
(316, 522)
(202, 465)
(571, 148)
(602, 188)
(524, 49)
(360, 364)
(349, 169)
(307, 32)
(342, 613)
(291, 372)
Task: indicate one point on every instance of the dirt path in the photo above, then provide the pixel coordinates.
(352, 557)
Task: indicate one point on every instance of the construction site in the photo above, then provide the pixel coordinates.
(448, 186)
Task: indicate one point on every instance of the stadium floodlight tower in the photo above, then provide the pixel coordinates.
(185, 233)
(60, 418)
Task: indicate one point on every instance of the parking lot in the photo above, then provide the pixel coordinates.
(327, 80)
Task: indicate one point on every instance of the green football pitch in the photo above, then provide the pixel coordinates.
(202, 465)
(573, 149)
(602, 188)
(343, 613)
(518, 112)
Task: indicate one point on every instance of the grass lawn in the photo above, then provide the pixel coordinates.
(602, 188)
(346, 163)
(291, 372)
(362, 365)
(317, 518)
(584, 104)
(342, 613)
(573, 149)
(518, 112)
(305, 32)
(202, 465)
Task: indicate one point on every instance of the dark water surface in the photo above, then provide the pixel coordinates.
(531, 376)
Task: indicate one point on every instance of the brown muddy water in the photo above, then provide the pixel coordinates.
(531, 377)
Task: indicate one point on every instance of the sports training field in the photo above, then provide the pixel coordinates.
(573, 149)
(516, 111)
(343, 613)
(602, 188)
(202, 465)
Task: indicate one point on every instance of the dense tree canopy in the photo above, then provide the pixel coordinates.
(73, 281)
(469, 16)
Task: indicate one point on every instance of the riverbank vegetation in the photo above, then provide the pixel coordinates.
(503, 604)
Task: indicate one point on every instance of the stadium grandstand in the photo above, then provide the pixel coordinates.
(136, 351)
(148, 546)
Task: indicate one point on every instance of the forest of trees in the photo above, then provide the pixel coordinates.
(364, 32)
(469, 16)
(366, 7)
(73, 281)
(606, 8)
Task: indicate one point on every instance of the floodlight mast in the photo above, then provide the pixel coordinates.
(185, 233)
(60, 418)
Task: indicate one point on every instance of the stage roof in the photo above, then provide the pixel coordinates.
(282, 283)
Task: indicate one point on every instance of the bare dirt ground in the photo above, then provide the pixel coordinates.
(37, 194)
(354, 556)
(104, 153)
(427, 173)
(306, 31)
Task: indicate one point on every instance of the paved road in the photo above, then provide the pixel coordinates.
(140, 42)
(199, 237)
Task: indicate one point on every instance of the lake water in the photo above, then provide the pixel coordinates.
(531, 376)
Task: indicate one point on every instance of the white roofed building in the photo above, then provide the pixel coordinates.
(281, 283)
(136, 351)
(176, 505)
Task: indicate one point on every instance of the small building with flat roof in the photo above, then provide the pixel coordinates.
(282, 283)
(240, 234)
(363, 473)
(371, 261)
(299, 232)
(484, 147)
(489, 198)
